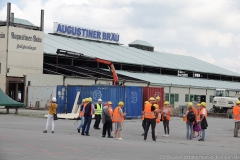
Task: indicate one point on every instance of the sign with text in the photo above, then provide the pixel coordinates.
(85, 33)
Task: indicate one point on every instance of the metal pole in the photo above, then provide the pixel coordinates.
(42, 21)
(8, 22)
(12, 17)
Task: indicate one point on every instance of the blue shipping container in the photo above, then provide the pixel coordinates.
(61, 99)
(106, 93)
(133, 101)
(71, 96)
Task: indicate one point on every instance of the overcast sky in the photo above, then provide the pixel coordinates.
(206, 29)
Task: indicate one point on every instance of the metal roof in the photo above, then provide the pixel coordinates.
(130, 55)
(23, 21)
(142, 43)
(166, 80)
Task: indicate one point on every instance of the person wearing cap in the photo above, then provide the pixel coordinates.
(143, 118)
(198, 121)
(98, 114)
(236, 114)
(52, 110)
(81, 114)
(110, 109)
(158, 115)
(88, 112)
(166, 112)
(203, 120)
(106, 120)
(118, 119)
(189, 124)
(149, 114)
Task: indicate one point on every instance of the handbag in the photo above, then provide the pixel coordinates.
(196, 127)
(55, 117)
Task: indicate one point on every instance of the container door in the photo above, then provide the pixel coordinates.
(153, 92)
(61, 99)
(172, 99)
(133, 102)
(71, 96)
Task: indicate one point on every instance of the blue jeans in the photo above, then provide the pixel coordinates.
(87, 123)
(189, 126)
(81, 124)
(203, 134)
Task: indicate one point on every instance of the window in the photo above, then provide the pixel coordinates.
(176, 97)
(197, 98)
(186, 97)
(211, 99)
(166, 96)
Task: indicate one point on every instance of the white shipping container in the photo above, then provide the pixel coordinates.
(41, 94)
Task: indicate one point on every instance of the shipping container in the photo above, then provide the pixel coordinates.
(71, 96)
(133, 102)
(41, 94)
(153, 92)
(61, 99)
(106, 93)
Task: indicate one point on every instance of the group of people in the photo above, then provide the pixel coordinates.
(104, 112)
(195, 118)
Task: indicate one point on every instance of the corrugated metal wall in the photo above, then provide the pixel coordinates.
(133, 102)
(71, 96)
(61, 99)
(153, 92)
(41, 94)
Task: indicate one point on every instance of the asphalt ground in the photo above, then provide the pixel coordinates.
(22, 138)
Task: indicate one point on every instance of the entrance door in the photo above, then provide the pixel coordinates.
(15, 88)
(172, 99)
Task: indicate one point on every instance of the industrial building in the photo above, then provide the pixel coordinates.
(30, 57)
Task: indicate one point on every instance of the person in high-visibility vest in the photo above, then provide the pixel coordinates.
(143, 118)
(157, 114)
(88, 111)
(236, 114)
(110, 109)
(203, 120)
(118, 119)
(149, 114)
(198, 121)
(98, 114)
(81, 114)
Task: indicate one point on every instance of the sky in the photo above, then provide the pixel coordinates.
(207, 30)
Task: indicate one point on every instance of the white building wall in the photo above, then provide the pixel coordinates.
(3, 46)
(135, 84)
(44, 80)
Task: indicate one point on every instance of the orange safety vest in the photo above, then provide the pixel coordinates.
(147, 111)
(81, 113)
(110, 112)
(116, 116)
(167, 115)
(201, 112)
(236, 113)
(198, 115)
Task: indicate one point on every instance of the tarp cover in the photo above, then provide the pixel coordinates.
(5, 100)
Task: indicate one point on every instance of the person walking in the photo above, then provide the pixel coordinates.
(111, 113)
(236, 114)
(118, 119)
(51, 111)
(190, 119)
(203, 120)
(88, 112)
(106, 120)
(149, 113)
(166, 112)
(98, 114)
(81, 114)
(143, 118)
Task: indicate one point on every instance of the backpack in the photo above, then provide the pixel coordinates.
(191, 116)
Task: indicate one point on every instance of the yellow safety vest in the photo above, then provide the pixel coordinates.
(98, 111)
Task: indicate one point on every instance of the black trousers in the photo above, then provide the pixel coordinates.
(107, 128)
(149, 122)
(97, 120)
(144, 124)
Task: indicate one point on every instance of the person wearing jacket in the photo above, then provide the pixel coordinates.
(52, 110)
(149, 114)
(81, 115)
(88, 111)
(98, 114)
(106, 120)
(143, 118)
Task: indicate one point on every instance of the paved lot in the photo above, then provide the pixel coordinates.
(22, 138)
